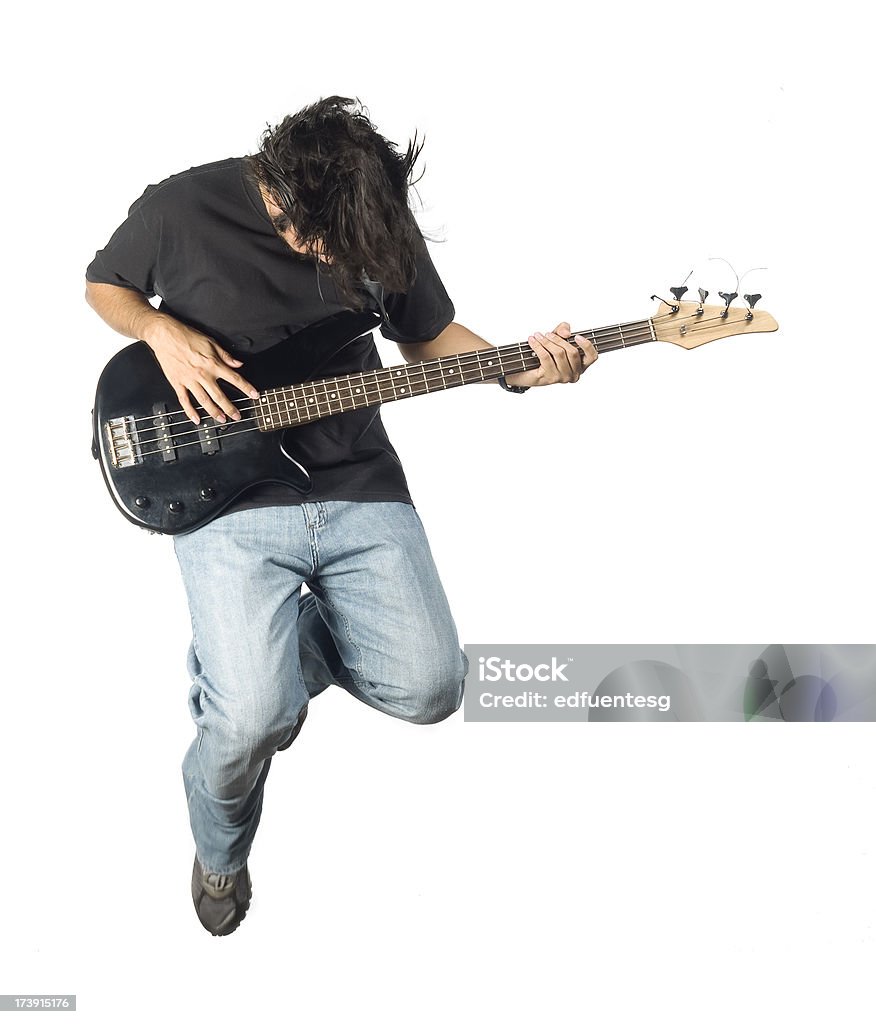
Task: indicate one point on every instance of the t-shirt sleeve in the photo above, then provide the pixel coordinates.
(130, 257)
(421, 313)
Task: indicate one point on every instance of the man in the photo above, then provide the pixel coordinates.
(243, 253)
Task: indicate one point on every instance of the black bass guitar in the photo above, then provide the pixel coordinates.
(169, 475)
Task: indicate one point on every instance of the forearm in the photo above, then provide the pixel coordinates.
(125, 310)
(192, 362)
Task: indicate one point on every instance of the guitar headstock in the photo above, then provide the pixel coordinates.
(691, 324)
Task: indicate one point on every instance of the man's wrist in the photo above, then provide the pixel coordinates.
(151, 326)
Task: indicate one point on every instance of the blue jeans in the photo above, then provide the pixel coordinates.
(376, 622)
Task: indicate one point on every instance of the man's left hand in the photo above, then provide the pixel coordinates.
(562, 359)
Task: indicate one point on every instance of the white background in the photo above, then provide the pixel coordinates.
(578, 159)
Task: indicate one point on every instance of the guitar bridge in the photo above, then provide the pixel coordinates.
(123, 442)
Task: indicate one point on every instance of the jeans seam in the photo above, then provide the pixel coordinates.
(349, 635)
(224, 871)
(204, 693)
(311, 539)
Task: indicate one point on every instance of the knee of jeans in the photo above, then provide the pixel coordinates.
(440, 689)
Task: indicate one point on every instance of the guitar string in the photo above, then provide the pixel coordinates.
(521, 354)
(139, 448)
(317, 394)
(698, 326)
(373, 388)
(228, 432)
(522, 347)
(318, 402)
(465, 361)
(322, 402)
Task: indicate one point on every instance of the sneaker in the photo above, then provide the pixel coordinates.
(221, 901)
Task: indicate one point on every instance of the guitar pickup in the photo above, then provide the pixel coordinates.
(163, 436)
(208, 435)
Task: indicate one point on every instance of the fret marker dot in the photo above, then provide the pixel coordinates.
(402, 390)
(450, 371)
(332, 395)
(358, 391)
(489, 362)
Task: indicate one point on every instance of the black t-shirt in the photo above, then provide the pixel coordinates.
(202, 240)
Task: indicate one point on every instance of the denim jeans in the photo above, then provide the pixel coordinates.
(376, 622)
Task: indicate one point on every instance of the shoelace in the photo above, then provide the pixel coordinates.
(219, 882)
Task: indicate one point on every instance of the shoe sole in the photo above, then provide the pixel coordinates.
(237, 916)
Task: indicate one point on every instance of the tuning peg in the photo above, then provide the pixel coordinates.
(703, 296)
(680, 289)
(672, 306)
(728, 297)
(752, 301)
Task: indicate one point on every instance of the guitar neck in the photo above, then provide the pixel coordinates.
(283, 407)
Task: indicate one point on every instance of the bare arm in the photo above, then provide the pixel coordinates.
(193, 363)
(127, 311)
(560, 360)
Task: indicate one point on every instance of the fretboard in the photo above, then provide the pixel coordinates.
(300, 403)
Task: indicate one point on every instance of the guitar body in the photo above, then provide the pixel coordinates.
(173, 486)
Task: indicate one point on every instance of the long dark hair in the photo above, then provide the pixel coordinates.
(343, 188)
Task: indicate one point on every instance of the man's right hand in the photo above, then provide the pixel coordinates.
(194, 364)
